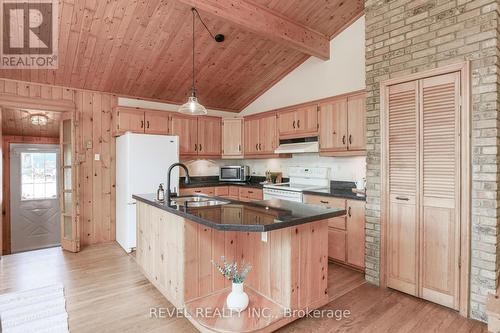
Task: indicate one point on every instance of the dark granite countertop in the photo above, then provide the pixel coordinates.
(256, 216)
(337, 189)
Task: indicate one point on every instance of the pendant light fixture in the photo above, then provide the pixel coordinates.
(193, 107)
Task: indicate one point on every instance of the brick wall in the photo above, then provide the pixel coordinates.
(408, 36)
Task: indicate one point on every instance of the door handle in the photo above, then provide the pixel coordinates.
(260, 147)
(195, 147)
(147, 122)
(239, 147)
(343, 139)
(293, 124)
(200, 147)
(402, 198)
(350, 138)
(349, 212)
(142, 123)
(256, 146)
(298, 123)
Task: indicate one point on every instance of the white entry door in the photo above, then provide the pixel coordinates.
(35, 211)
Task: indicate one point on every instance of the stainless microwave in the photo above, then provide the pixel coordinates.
(235, 173)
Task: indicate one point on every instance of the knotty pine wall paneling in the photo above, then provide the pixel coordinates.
(92, 110)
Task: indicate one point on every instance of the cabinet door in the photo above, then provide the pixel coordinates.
(251, 136)
(356, 233)
(130, 121)
(333, 125)
(222, 191)
(267, 134)
(440, 191)
(336, 244)
(402, 228)
(209, 136)
(356, 122)
(186, 127)
(286, 124)
(232, 138)
(156, 122)
(307, 121)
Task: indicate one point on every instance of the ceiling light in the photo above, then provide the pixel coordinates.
(193, 107)
(39, 119)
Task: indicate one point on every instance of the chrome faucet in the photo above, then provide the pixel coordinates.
(169, 173)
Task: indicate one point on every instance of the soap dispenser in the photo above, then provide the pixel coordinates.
(160, 194)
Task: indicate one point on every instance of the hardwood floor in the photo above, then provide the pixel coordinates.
(106, 292)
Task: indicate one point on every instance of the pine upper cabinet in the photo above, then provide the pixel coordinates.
(342, 126)
(232, 138)
(156, 122)
(333, 125)
(356, 122)
(299, 122)
(421, 163)
(186, 127)
(129, 120)
(251, 136)
(209, 136)
(267, 134)
(261, 139)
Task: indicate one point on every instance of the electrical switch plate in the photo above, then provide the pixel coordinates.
(97, 157)
(263, 236)
(88, 144)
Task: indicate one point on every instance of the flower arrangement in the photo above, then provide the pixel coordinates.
(231, 271)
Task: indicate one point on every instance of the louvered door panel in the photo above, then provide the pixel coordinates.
(440, 154)
(402, 227)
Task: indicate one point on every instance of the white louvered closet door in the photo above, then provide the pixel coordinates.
(402, 226)
(440, 189)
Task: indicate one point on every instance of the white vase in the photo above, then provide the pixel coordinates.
(237, 300)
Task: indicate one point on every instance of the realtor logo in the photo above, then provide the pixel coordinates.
(29, 34)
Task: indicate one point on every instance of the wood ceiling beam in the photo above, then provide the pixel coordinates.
(267, 23)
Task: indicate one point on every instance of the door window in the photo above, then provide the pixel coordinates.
(38, 176)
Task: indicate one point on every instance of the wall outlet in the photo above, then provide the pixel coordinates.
(263, 237)
(97, 157)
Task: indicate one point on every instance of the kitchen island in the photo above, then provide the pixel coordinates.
(285, 242)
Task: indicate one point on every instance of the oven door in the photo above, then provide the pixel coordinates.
(230, 174)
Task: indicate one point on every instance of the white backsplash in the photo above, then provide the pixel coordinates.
(349, 168)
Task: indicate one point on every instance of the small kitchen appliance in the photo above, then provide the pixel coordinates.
(234, 173)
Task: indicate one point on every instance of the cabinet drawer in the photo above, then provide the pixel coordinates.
(337, 244)
(198, 190)
(233, 191)
(255, 194)
(325, 201)
(337, 222)
(222, 191)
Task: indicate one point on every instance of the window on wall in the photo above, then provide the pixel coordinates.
(38, 176)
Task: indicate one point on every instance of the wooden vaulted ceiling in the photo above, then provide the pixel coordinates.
(142, 48)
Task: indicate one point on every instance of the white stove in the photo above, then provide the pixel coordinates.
(301, 179)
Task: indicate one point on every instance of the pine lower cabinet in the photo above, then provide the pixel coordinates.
(421, 179)
(346, 234)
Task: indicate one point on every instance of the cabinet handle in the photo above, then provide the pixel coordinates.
(198, 191)
(298, 123)
(293, 124)
(260, 147)
(256, 146)
(195, 147)
(343, 139)
(323, 201)
(350, 138)
(239, 147)
(402, 198)
(349, 211)
(200, 147)
(142, 123)
(148, 123)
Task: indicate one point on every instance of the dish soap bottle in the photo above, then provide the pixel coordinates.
(160, 194)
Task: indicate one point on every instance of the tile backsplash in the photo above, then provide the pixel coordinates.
(349, 168)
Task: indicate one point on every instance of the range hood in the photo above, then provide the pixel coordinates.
(298, 146)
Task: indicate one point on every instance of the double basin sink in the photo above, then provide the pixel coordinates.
(197, 201)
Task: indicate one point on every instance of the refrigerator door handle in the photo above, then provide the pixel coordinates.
(131, 203)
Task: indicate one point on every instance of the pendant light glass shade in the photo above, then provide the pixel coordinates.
(192, 107)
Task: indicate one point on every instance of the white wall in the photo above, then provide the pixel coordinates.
(314, 79)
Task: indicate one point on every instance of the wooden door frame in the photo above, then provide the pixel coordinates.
(465, 178)
(22, 102)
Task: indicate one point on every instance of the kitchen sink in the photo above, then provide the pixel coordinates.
(197, 201)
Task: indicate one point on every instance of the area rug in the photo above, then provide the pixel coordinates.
(37, 310)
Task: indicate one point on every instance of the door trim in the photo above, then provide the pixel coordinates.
(465, 178)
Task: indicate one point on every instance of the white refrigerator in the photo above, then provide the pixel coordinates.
(142, 161)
